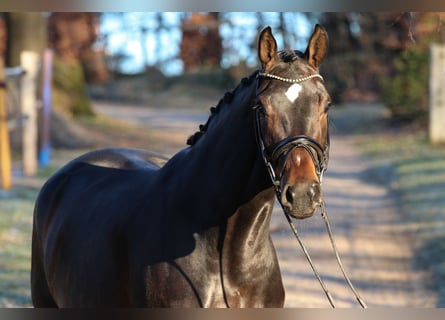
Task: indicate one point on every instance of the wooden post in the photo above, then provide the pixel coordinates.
(30, 63)
(437, 94)
(5, 148)
(45, 132)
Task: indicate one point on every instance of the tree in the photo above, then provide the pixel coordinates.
(71, 35)
(381, 56)
(404, 89)
(3, 35)
(25, 31)
(201, 44)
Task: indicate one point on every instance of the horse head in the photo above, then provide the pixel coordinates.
(292, 120)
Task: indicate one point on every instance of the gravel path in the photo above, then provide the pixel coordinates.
(375, 244)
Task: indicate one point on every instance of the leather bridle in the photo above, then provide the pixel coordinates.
(318, 154)
(320, 158)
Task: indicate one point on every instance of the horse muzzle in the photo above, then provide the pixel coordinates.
(301, 200)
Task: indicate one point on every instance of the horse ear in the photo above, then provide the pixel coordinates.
(317, 47)
(267, 47)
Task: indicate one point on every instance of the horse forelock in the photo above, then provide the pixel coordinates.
(290, 55)
(225, 100)
(292, 64)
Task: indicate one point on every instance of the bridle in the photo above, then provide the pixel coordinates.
(318, 154)
(320, 158)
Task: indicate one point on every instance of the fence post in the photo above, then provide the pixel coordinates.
(45, 132)
(5, 148)
(30, 63)
(437, 94)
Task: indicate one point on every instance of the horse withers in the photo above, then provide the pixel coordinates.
(127, 228)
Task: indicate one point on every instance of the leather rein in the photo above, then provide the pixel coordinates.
(320, 158)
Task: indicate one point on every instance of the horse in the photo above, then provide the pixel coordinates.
(123, 227)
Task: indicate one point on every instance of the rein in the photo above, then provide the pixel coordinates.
(320, 158)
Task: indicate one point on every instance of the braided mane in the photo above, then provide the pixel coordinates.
(226, 99)
(287, 56)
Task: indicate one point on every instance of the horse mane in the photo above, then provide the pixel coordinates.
(287, 56)
(226, 99)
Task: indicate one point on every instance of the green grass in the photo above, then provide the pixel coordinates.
(16, 208)
(419, 170)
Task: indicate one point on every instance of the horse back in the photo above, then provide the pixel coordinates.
(121, 158)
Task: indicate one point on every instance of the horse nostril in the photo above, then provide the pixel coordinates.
(314, 192)
(287, 197)
(290, 195)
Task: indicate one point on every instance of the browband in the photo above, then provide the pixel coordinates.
(298, 80)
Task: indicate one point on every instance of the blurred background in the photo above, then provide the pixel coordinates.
(74, 81)
(372, 56)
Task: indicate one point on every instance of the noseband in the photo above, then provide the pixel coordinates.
(319, 155)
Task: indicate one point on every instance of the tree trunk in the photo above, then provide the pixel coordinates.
(71, 36)
(26, 31)
(3, 35)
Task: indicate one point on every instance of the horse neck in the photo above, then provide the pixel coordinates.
(238, 189)
(230, 171)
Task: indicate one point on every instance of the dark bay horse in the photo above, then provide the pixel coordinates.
(120, 227)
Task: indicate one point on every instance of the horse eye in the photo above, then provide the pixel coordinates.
(328, 106)
(259, 107)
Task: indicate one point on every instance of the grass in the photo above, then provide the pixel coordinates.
(419, 170)
(16, 208)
